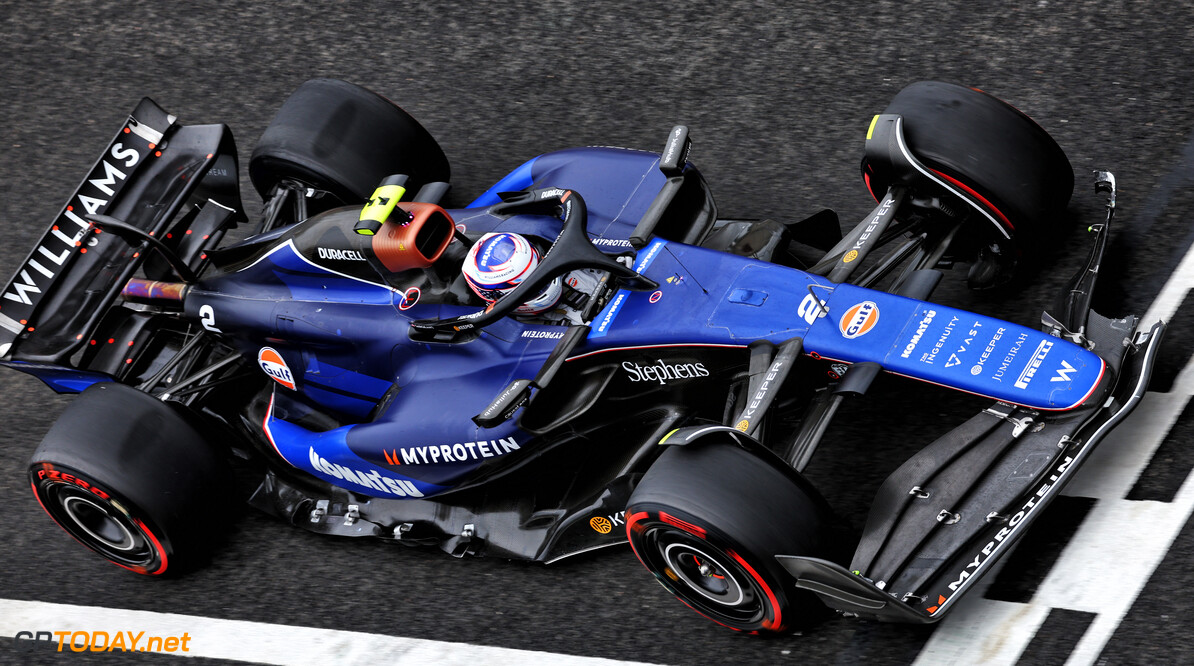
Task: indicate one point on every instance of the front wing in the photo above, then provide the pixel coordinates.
(943, 519)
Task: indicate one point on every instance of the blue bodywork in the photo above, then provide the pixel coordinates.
(403, 408)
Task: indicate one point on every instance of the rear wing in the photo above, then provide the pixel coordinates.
(177, 183)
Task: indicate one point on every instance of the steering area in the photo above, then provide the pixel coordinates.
(571, 250)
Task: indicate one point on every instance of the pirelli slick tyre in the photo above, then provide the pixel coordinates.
(708, 519)
(343, 139)
(988, 148)
(133, 480)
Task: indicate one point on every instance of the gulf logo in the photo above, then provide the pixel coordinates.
(859, 319)
(272, 364)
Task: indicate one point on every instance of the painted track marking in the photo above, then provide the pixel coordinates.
(258, 642)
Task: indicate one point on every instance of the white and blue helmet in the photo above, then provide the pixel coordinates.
(499, 262)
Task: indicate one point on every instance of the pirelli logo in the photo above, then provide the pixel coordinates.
(1038, 357)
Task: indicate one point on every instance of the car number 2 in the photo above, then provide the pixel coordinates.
(207, 317)
(811, 308)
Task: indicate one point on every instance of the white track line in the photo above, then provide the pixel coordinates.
(262, 643)
(1118, 547)
(1182, 280)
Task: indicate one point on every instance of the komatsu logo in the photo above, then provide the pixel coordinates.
(57, 246)
(373, 480)
(613, 312)
(920, 331)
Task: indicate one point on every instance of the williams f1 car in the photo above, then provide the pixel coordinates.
(673, 380)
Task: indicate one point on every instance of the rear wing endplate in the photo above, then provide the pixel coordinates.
(150, 170)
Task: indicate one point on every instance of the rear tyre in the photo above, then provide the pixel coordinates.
(133, 480)
(989, 148)
(708, 519)
(343, 139)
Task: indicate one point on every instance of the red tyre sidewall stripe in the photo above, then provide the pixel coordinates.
(161, 551)
(976, 195)
(777, 623)
(867, 178)
(683, 524)
(632, 521)
(157, 544)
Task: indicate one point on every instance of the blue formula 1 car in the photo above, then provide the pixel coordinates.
(673, 378)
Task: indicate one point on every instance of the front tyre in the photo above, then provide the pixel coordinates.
(989, 148)
(708, 519)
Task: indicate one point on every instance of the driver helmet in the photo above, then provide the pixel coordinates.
(499, 262)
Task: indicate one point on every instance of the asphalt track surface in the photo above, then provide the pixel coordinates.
(778, 97)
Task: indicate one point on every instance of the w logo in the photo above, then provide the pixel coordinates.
(1063, 374)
